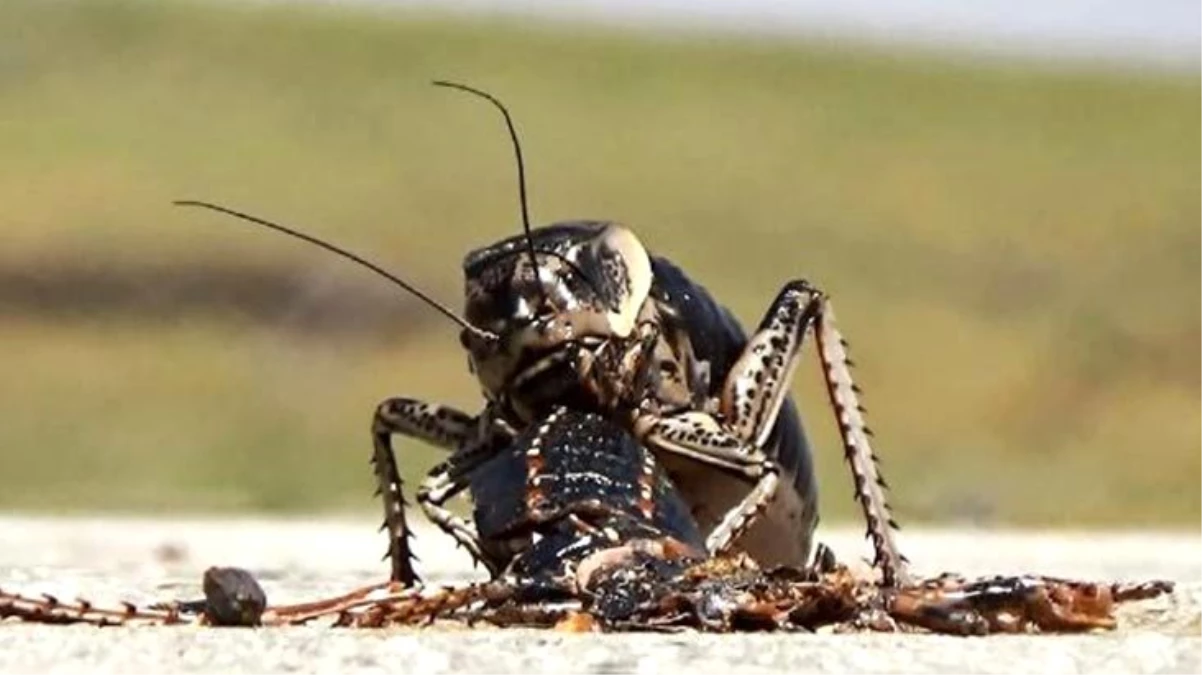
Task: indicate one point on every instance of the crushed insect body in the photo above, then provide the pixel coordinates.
(594, 536)
(639, 594)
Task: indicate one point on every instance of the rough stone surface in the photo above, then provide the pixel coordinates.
(147, 560)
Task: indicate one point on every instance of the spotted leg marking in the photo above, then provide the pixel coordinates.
(748, 406)
(441, 426)
(751, 399)
(700, 437)
(759, 381)
(870, 486)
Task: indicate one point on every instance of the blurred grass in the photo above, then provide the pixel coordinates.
(1013, 253)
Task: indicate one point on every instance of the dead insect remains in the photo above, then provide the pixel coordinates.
(590, 534)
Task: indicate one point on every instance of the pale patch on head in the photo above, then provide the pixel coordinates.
(631, 273)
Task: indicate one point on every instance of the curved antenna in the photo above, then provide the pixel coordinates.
(517, 151)
(446, 311)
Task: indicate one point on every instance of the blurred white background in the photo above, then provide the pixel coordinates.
(1152, 33)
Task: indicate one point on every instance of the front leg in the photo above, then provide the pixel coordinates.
(441, 426)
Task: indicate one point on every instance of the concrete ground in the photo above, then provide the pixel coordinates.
(107, 560)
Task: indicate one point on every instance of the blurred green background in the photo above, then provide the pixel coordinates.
(1013, 251)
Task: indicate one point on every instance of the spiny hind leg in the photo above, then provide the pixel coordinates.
(758, 384)
(870, 485)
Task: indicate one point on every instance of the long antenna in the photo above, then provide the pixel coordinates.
(480, 333)
(517, 151)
